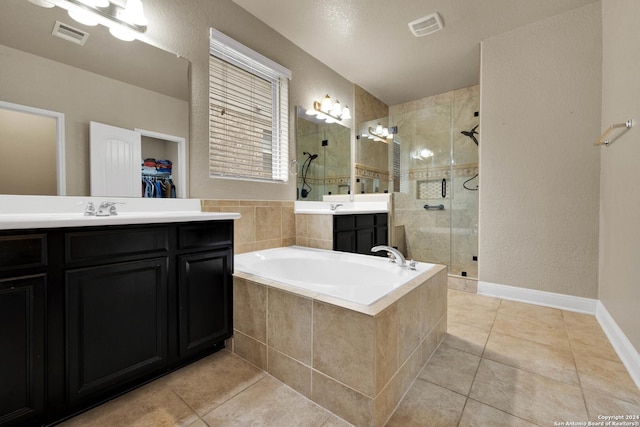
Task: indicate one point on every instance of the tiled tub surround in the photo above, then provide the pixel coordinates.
(356, 361)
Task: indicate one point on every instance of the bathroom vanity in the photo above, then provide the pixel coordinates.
(91, 311)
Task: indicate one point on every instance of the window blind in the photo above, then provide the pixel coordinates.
(248, 113)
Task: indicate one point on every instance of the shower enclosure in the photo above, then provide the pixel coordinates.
(433, 174)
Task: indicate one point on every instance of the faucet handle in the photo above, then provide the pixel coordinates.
(412, 265)
(89, 210)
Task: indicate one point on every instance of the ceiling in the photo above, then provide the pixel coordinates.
(369, 43)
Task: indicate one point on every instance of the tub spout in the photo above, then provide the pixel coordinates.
(396, 255)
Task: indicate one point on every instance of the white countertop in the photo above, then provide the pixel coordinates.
(346, 208)
(23, 212)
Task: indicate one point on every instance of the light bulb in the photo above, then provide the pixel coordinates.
(42, 3)
(325, 105)
(122, 33)
(346, 113)
(83, 17)
(337, 109)
(133, 13)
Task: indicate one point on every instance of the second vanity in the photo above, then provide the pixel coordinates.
(93, 306)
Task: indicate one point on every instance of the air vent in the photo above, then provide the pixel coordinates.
(426, 25)
(70, 33)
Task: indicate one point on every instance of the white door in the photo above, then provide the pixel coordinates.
(115, 161)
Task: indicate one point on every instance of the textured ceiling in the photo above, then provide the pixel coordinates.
(369, 43)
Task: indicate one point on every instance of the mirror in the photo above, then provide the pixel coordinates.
(374, 169)
(125, 84)
(323, 157)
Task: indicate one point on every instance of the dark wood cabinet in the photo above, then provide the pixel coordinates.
(22, 356)
(89, 313)
(359, 232)
(116, 324)
(203, 292)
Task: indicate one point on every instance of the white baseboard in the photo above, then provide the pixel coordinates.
(626, 351)
(532, 296)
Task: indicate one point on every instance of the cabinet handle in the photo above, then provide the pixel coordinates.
(444, 188)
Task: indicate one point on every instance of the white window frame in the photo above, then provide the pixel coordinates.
(232, 52)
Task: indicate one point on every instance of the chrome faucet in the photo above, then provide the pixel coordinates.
(334, 207)
(90, 209)
(396, 255)
(107, 209)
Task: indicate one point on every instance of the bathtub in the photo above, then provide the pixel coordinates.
(351, 332)
(361, 279)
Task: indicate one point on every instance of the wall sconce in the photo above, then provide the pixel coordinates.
(329, 111)
(124, 23)
(380, 133)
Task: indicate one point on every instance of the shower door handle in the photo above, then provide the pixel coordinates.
(444, 188)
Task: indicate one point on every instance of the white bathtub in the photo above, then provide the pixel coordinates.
(361, 279)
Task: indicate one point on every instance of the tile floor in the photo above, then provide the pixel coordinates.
(502, 363)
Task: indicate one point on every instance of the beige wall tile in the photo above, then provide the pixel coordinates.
(320, 244)
(289, 371)
(342, 346)
(250, 349)
(243, 248)
(268, 223)
(250, 308)
(289, 324)
(429, 346)
(410, 309)
(342, 401)
(288, 222)
(267, 244)
(320, 227)
(245, 226)
(386, 346)
(301, 226)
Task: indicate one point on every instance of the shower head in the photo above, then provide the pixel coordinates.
(311, 156)
(471, 133)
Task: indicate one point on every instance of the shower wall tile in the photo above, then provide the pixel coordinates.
(250, 349)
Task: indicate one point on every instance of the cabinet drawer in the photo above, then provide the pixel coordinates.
(98, 245)
(205, 235)
(367, 220)
(344, 222)
(23, 251)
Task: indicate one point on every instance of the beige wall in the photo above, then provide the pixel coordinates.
(183, 28)
(619, 195)
(28, 159)
(539, 179)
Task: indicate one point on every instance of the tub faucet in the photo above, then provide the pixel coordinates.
(396, 255)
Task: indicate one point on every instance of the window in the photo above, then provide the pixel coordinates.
(248, 113)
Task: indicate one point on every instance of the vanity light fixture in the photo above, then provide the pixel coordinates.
(380, 133)
(329, 111)
(124, 22)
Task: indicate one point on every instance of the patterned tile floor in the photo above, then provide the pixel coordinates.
(502, 363)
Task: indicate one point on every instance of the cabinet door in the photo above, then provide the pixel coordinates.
(344, 241)
(365, 240)
(21, 358)
(204, 292)
(116, 324)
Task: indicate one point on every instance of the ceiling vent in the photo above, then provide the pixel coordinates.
(70, 33)
(426, 25)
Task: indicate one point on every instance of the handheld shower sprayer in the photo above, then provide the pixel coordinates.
(306, 188)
